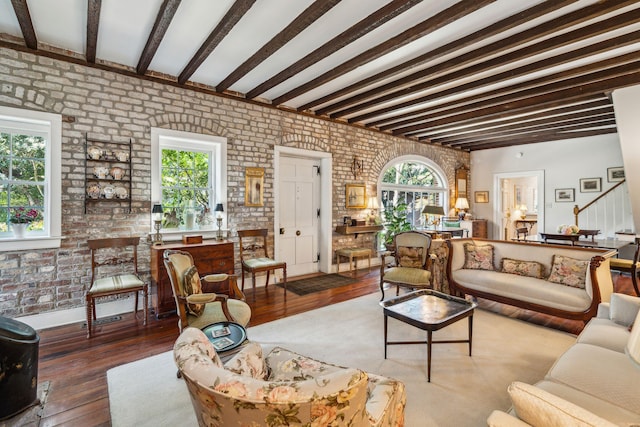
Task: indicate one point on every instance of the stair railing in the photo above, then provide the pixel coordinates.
(600, 205)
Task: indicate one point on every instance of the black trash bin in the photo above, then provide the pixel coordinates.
(18, 367)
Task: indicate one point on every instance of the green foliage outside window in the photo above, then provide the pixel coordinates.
(22, 176)
(185, 183)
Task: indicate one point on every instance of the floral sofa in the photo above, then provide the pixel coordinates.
(559, 280)
(593, 383)
(283, 388)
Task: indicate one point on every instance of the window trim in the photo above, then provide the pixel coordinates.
(53, 180)
(160, 138)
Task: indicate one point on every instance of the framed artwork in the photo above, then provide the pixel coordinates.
(565, 194)
(356, 196)
(253, 187)
(590, 185)
(615, 174)
(481, 196)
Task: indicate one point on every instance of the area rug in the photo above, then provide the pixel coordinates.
(463, 390)
(318, 283)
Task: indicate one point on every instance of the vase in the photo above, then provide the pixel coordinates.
(19, 229)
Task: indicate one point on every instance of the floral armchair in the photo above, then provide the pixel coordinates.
(283, 388)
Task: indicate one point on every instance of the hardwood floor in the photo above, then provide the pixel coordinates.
(76, 366)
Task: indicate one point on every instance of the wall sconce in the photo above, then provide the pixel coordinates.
(357, 167)
(157, 213)
(219, 210)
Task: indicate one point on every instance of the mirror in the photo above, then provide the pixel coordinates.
(461, 182)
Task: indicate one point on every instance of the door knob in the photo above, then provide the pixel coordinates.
(297, 232)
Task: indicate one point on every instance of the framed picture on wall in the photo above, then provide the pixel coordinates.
(356, 196)
(481, 196)
(253, 187)
(590, 185)
(615, 174)
(565, 194)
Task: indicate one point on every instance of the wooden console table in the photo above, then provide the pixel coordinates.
(358, 229)
(209, 257)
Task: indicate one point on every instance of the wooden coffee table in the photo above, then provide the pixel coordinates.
(428, 310)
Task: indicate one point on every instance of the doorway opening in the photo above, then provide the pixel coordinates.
(520, 203)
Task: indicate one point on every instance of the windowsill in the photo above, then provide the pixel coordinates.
(29, 243)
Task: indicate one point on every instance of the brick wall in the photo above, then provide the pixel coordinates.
(121, 107)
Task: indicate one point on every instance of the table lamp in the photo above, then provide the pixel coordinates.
(461, 204)
(157, 212)
(219, 210)
(373, 206)
(434, 212)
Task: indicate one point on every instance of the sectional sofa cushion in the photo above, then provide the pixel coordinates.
(540, 408)
(623, 308)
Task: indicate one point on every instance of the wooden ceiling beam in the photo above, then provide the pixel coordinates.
(21, 10)
(310, 15)
(492, 30)
(453, 13)
(539, 137)
(518, 55)
(163, 19)
(511, 126)
(564, 126)
(368, 24)
(627, 75)
(565, 79)
(226, 24)
(93, 24)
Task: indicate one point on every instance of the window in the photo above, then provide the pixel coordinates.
(30, 144)
(188, 178)
(415, 184)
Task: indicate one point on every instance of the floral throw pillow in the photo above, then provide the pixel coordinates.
(193, 285)
(569, 271)
(249, 362)
(410, 256)
(523, 268)
(478, 257)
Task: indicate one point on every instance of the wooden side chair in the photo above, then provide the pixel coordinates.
(114, 271)
(197, 308)
(254, 256)
(522, 233)
(411, 262)
(631, 266)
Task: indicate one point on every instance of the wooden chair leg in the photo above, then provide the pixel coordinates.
(634, 280)
(382, 289)
(242, 280)
(89, 316)
(253, 284)
(267, 282)
(284, 279)
(145, 309)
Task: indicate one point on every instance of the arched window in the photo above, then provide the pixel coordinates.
(414, 183)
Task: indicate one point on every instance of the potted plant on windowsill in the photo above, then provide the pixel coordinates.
(395, 221)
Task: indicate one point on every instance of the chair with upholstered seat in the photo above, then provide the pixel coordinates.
(522, 233)
(196, 308)
(411, 262)
(631, 266)
(254, 256)
(114, 271)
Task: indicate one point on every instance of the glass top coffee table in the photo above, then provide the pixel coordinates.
(430, 311)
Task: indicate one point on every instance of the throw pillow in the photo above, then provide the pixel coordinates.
(410, 256)
(569, 271)
(478, 257)
(249, 362)
(623, 308)
(538, 407)
(193, 285)
(523, 268)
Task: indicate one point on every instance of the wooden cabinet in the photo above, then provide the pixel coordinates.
(209, 257)
(108, 175)
(476, 227)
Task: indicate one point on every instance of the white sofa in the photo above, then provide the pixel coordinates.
(593, 383)
(568, 300)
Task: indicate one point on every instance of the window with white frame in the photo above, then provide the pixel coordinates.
(414, 184)
(30, 182)
(188, 177)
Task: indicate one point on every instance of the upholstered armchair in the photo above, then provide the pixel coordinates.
(411, 263)
(197, 308)
(283, 388)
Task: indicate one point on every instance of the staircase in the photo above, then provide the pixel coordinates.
(610, 213)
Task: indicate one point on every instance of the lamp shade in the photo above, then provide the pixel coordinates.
(433, 210)
(157, 209)
(372, 203)
(462, 203)
(219, 208)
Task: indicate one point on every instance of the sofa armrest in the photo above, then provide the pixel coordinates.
(624, 308)
(502, 419)
(604, 311)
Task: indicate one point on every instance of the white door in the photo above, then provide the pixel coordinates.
(299, 199)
